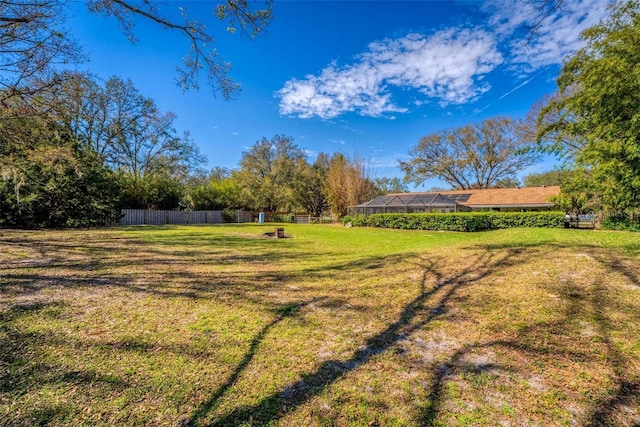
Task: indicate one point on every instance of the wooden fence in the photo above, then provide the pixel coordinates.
(163, 217)
(309, 219)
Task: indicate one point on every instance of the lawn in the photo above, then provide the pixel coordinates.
(219, 325)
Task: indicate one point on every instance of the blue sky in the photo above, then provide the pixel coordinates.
(365, 77)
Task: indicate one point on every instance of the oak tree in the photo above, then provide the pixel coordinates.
(267, 173)
(472, 156)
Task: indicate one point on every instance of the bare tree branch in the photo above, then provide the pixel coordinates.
(473, 156)
(202, 55)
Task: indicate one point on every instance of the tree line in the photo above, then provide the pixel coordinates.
(90, 148)
(73, 148)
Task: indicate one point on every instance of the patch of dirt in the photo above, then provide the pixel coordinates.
(537, 383)
(429, 350)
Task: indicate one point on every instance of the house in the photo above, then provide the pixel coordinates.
(493, 199)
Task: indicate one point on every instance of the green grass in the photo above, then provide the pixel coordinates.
(218, 325)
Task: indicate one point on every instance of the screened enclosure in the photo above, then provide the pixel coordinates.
(408, 203)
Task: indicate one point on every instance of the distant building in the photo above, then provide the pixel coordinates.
(494, 199)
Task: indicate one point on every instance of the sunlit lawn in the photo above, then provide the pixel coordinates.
(219, 325)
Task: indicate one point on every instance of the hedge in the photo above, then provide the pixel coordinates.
(467, 221)
(623, 223)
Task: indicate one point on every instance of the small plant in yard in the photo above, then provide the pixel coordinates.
(215, 325)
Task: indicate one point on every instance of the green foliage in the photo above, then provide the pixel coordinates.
(621, 222)
(267, 173)
(216, 194)
(309, 185)
(228, 216)
(599, 106)
(48, 181)
(85, 150)
(548, 178)
(288, 218)
(66, 190)
(385, 185)
(509, 182)
(468, 221)
(153, 191)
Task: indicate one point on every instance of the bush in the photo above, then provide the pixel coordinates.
(468, 221)
(287, 218)
(620, 222)
(527, 219)
(228, 216)
(355, 220)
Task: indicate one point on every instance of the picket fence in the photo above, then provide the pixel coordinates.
(164, 217)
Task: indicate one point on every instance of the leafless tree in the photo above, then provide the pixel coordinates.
(32, 43)
(473, 156)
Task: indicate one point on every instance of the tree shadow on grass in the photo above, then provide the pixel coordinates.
(626, 391)
(140, 267)
(23, 369)
(282, 312)
(415, 315)
(591, 303)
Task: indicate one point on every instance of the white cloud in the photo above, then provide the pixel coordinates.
(447, 66)
(311, 154)
(387, 162)
(534, 40)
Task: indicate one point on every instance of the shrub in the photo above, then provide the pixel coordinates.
(228, 216)
(620, 222)
(288, 218)
(467, 221)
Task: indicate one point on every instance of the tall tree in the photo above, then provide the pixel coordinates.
(127, 133)
(348, 183)
(124, 128)
(557, 176)
(545, 114)
(600, 106)
(267, 173)
(472, 156)
(46, 179)
(309, 186)
(579, 194)
(385, 185)
(220, 191)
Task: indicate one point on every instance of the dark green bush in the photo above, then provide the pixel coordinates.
(620, 222)
(228, 216)
(468, 221)
(287, 218)
(355, 220)
(526, 219)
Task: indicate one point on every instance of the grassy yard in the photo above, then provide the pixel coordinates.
(218, 325)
